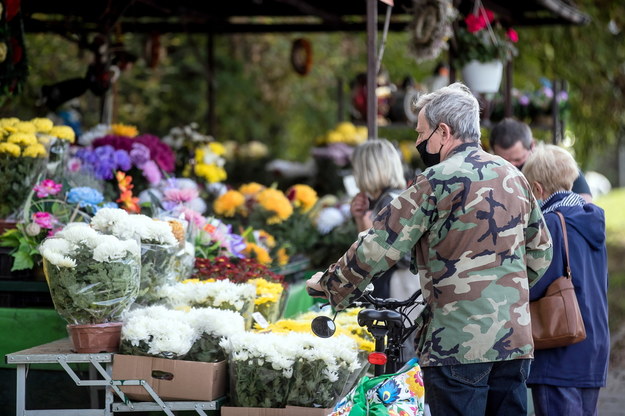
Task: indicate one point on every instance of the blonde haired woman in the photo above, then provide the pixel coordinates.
(566, 380)
(379, 175)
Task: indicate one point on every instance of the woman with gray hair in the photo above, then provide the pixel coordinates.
(566, 380)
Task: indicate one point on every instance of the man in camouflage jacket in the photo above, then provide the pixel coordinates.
(478, 238)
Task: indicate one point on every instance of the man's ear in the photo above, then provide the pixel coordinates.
(532, 144)
(446, 131)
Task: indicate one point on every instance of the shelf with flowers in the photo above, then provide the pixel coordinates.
(483, 46)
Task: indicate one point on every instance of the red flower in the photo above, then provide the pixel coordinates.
(512, 35)
(475, 23)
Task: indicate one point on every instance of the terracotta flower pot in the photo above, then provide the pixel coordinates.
(95, 338)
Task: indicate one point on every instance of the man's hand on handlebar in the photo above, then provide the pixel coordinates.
(314, 288)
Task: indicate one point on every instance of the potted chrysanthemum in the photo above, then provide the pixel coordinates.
(93, 278)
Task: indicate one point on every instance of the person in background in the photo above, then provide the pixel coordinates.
(512, 140)
(566, 380)
(379, 175)
(478, 239)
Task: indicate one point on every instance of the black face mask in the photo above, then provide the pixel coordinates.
(429, 159)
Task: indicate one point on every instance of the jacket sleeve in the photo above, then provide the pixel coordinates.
(538, 245)
(395, 231)
(556, 268)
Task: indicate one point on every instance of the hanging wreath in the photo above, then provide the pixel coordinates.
(301, 56)
(430, 28)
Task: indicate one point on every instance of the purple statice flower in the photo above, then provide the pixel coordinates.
(139, 154)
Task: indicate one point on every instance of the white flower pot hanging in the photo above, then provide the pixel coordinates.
(483, 77)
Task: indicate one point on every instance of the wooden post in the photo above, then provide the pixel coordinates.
(372, 100)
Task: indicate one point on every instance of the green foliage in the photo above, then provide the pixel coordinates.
(24, 248)
(613, 204)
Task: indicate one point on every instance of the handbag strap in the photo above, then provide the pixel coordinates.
(566, 245)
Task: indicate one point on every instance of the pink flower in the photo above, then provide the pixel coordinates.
(151, 172)
(475, 23)
(180, 196)
(54, 231)
(44, 219)
(47, 187)
(193, 217)
(512, 35)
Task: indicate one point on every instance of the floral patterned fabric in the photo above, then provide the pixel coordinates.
(400, 394)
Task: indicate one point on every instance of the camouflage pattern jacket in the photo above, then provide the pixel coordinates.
(477, 235)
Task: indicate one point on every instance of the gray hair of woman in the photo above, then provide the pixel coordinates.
(377, 166)
(551, 166)
(455, 106)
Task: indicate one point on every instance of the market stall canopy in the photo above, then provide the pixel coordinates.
(254, 16)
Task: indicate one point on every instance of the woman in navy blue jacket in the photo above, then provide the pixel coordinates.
(566, 380)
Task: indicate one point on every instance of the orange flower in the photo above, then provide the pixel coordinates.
(129, 202)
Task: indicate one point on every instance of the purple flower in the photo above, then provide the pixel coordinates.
(548, 92)
(122, 160)
(562, 96)
(139, 154)
(524, 100)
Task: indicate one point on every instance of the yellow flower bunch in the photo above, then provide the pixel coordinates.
(303, 197)
(251, 189)
(254, 251)
(266, 291)
(124, 130)
(229, 204)
(302, 324)
(344, 132)
(63, 133)
(282, 257)
(275, 201)
(209, 162)
(43, 125)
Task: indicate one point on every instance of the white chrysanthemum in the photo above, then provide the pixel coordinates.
(212, 294)
(79, 232)
(163, 329)
(216, 322)
(328, 219)
(113, 221)
(58, 259)
(57, 245)
(151, 231)
(96, 132)
(110, 248)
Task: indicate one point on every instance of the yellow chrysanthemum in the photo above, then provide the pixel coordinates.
(25, 139)
(255, 251)
(35, 150)
(43, 125)
(266, 291)
(273, 200)
(8, 122)
(267, 239)
(63, 133)
(251, 189)
(210, 173)
(25, 127)
(124, 130)
(283, 257)
(227, 204)
(217, 148)
(304, 197)
(11, 149)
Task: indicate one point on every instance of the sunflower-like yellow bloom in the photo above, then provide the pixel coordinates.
(228, 203)
(251, 189)
(35, 150)
(11, 149)
(304, 197)
(43, 125)
(124, 130)
(25, 139)
(273, 200)
(63, 133)
(257, 252)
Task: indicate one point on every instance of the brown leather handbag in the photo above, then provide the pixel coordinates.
(556, 318)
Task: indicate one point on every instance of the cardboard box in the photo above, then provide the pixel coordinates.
(288, 411)
(171, 379)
